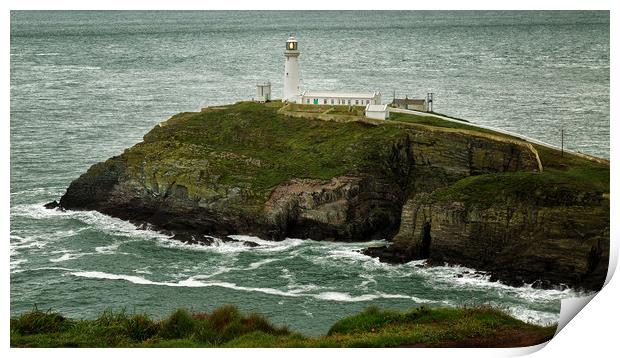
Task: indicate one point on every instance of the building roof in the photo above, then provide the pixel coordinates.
(339, 94)
(376, 107)
(404, 101)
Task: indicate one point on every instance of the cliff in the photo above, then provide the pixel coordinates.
(442, 190)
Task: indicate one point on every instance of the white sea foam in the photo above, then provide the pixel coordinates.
(52, 192)
(133, 279)
(92, 218)
(346, 297)
(65, 68)
(269, 246)
(257, 264)
(533, 316)
(227, 247)
(70, 256)
(108, 249)
(368, 279)
(217, 271)
(349, 254)
(14, 264)
(218, 246)
(463, 278)
(143, 271)
(48, 268)
(19, 243)
(195, 281)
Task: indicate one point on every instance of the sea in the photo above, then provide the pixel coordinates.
(85, 85)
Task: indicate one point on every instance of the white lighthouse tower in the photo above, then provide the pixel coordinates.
(291, 71)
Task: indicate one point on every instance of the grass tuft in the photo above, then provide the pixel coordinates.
(36, 322)
(180, 324)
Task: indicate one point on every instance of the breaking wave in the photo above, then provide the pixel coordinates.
(92, 219)
(195, 281)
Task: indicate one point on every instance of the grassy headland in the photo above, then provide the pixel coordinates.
(227, 327)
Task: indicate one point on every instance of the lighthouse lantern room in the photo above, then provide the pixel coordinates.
(291, 71)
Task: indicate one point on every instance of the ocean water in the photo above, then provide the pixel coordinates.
(86, 85)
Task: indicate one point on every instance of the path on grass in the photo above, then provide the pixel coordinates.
(516, 135)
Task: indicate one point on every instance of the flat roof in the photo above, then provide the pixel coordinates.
(339, 94)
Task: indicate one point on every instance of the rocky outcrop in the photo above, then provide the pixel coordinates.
(245, 169)
(548, 238)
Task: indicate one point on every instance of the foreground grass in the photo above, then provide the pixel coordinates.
(227, 327)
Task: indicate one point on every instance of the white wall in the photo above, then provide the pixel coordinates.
(339, 101)
(377, 114)
(291, 78)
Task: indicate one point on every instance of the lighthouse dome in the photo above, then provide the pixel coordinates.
(291, 43)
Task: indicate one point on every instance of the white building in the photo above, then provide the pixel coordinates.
(291, 71)
(263, 92)
(335, 98)
(292, 92)
(377, 111)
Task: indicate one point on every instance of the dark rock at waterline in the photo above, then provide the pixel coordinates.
(53, 205)
(388, 254)
(205, 240)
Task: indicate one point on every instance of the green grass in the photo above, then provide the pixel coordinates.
(227, 327)
(549, 188)
(442, 123)
(566, 179)
(252, 147)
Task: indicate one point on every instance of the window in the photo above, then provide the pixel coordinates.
(325, 101)
(349, 102)
(307, 100)
(332, 102)
(357, 102)
(367, 101)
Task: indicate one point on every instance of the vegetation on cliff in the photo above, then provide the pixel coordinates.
(227, 327)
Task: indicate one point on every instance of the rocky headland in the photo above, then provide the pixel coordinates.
(436, 190)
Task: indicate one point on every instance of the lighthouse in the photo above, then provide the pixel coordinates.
(291, 71)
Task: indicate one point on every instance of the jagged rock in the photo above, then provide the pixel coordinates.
(53, 205)
(206, 240)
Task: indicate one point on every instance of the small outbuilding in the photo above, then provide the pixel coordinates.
(377, 111)
(263, 92)
(411, 103)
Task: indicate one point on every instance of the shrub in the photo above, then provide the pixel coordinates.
(204, 332)
(223, 316)
(179, 325)
(39, 322)
(256, 322)
(109, 318)
(139, 327)
(226, 323)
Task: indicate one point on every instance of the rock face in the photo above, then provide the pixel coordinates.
(545, 243)
(244, 169)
